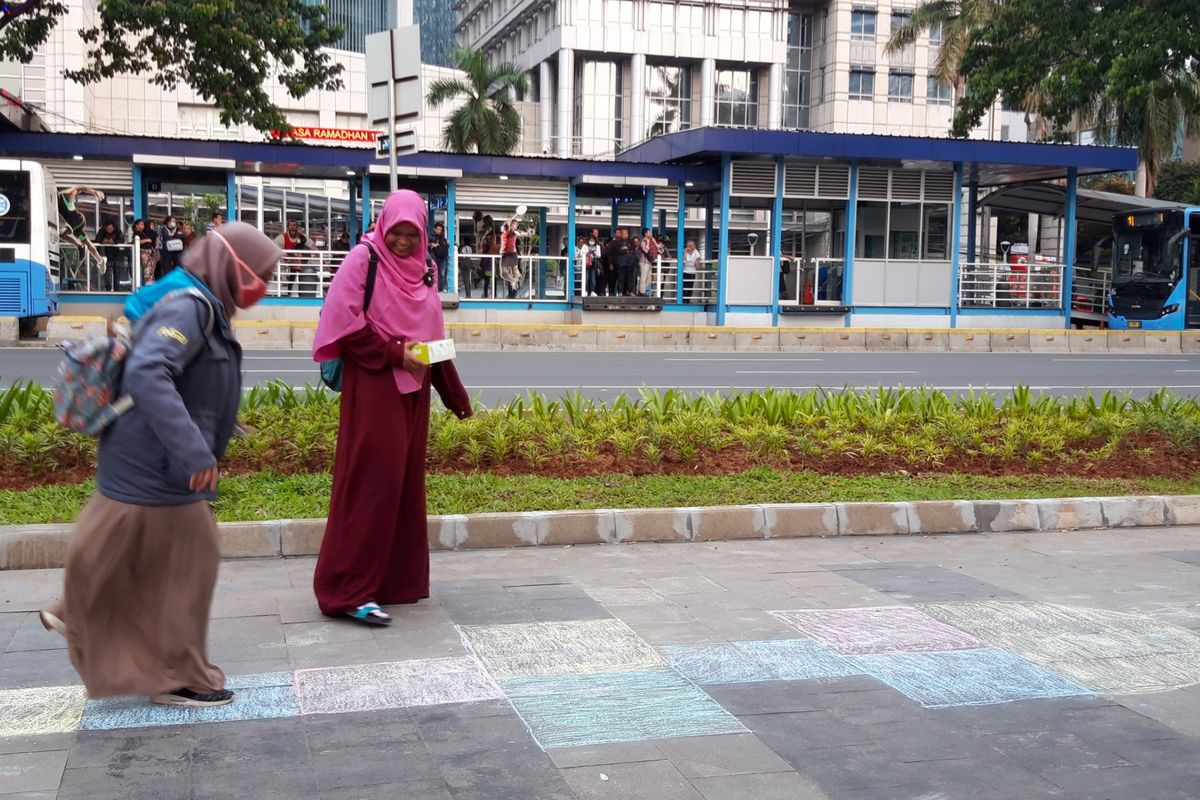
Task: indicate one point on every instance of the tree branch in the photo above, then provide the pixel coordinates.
(14, 11)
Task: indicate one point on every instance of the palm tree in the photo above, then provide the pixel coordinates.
(959, 19)
(487, 121)
(1152, 122)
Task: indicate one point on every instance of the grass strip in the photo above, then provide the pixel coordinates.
(267, 495)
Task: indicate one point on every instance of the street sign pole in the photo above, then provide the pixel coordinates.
(394, 95)
(393, 178)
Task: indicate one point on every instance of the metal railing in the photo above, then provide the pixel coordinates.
(1089, 294)
(988, 284)
(531, 278)
(661, 280)
(78, 272)
(812, 282)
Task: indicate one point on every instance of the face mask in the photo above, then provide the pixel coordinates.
(171, 227)
(251, 288)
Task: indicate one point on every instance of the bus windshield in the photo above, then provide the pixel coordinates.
(14, 207)
(1145, 254)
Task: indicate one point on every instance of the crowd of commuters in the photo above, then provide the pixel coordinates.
(622, 266)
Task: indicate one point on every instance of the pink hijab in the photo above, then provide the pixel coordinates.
(402, 306)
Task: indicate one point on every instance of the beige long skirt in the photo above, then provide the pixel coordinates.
(136, 597)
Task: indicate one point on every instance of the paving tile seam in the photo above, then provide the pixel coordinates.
(45, 546)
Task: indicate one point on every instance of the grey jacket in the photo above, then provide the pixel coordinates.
(183, 414)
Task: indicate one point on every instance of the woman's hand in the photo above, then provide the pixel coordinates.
(204, 479)
(411, 364)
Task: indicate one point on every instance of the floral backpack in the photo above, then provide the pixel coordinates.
(87, 394)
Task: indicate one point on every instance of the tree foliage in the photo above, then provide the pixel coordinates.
(487, 121)
(224, 50)
(1179, 182)
(958, 19)
(1078, 55)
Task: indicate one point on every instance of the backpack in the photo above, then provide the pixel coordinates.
(87, 390)
(652, 250)
(331, 371)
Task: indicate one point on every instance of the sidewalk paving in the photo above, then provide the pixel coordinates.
(1007, 666)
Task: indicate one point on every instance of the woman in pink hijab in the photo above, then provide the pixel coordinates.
(376, 549)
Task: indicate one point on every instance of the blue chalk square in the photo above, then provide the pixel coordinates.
(261, 680)
(602, 708)
(271, 702)
(966, 677)
(751, 661)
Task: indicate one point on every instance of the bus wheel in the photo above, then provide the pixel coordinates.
(27, 327)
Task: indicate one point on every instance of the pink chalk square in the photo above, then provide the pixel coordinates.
(884, 629)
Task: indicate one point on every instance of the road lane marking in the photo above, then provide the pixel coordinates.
(744, 360)
(827, 372)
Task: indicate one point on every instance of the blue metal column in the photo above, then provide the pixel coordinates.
(452, 233)
(569, 275)
(1068, 279)
(647, 207)
(616, 218)
(776, 240)
(955, 240)
(352, 226)
(231, 197)
(680, 243)
(973, 218)
(542, 250)
(851, 240)
(139, 193)
(723, 253)
(366, 201)
(662, 222)
(708, 226)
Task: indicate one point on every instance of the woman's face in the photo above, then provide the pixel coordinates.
(139, 226)
(402, 239)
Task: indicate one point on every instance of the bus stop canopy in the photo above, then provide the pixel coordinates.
(1051, 200)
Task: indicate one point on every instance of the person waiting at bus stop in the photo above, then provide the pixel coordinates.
(376, 547)
(304, 275)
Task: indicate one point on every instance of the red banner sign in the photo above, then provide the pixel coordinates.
(332, 135)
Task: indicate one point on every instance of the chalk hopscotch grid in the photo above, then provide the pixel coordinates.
(967, 677)
(41, 710)
(881, 629)
(604, 708)
(1110, 652)
(754, 661)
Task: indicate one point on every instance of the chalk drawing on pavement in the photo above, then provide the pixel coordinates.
(966, 677)
(602, 708)
(400, 684)
(752, 661)
(1110, 652)
(561, 648)
(40, 710)
(881, 629)
(264, 702)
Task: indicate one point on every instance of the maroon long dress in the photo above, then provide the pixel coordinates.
(376, 545)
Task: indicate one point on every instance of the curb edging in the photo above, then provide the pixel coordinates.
(45, 546)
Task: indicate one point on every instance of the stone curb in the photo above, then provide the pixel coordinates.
(45, 546)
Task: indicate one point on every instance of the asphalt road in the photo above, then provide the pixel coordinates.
(498, 376)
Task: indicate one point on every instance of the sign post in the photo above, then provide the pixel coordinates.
(394, 96)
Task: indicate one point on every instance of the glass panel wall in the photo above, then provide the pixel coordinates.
(668, 98)
(797, 78)
(600, 103)
(737, 98)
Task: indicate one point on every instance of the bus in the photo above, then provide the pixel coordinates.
(1155, 270)
(29, 248)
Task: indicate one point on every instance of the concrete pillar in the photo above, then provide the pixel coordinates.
(775, 97)
(546, 107)
(708, 84)
(566, 94)
(637, 100)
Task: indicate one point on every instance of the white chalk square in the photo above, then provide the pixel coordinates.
(397, 684)
(561, 648)
(41, 710)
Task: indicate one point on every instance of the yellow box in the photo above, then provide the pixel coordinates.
(435, 351)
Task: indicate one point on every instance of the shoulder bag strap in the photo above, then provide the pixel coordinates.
(372, 268)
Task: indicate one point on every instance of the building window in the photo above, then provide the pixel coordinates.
(900, 86)
(899, 20)
(938, 93)
(668, 99)
(797, 76)
(600, 103)
(862, 84)
(935, 33)
(737, 98)
(862, 26)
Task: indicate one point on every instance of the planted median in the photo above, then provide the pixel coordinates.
(668, 449)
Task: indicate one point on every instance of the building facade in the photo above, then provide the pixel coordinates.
(609, 74)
